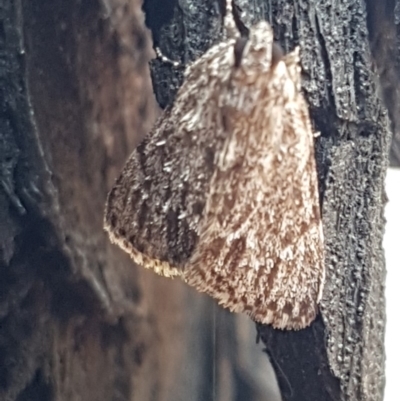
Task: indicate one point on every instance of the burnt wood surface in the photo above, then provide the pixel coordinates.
(78, 320)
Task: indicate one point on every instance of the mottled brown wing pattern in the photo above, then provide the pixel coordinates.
(260, 248)
(133, 201)
(223, 191)
(155, 206)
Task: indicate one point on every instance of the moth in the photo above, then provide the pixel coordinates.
(223, 191)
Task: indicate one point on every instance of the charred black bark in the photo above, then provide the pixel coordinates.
(341, 356)
(71, 316)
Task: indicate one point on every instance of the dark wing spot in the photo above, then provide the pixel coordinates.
(187, 241)
(238, 50)
(198, 208)
(112, 220)
(209, 157)
(214, 249)
(142, 216)
(277, 54)
(235, 253)
(172, 228)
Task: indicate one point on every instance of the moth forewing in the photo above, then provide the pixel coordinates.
(223, 191)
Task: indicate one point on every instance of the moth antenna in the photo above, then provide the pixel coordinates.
(230, 28)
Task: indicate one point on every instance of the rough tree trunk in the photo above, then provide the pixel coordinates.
(77, 319)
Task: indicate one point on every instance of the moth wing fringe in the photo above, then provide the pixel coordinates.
(160, 267)
(261, 314)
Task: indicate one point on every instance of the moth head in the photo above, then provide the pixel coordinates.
(259, 67)
(257, 51)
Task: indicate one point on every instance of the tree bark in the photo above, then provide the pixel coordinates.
(71, 326)
(78, 319)
(341, 356)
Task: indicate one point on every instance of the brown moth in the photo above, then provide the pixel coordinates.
(223, 191)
